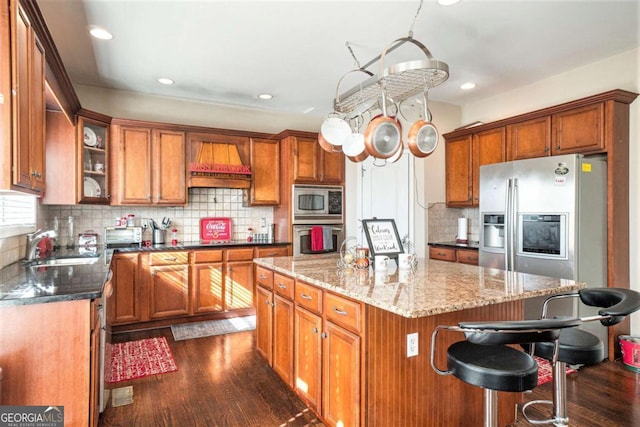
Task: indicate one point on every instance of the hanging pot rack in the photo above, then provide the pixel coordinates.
(399, 81)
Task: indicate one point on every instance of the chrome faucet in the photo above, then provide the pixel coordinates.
(32, 242)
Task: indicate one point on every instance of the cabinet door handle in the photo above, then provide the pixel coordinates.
(305, 296)
(174, 259)
(315, 330)
(262, 277)
(546, 149)
(323, 335)
(267, 302)
(341, 312)
(281, 286)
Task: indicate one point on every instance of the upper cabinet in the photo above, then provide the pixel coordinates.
(597, 124)
(463, 158)
(22, 101)
(93, 160)
(309, 163)
(149, 165)
(265, 172)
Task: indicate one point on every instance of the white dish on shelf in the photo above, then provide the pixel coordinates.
(91, 187)
(90, 138)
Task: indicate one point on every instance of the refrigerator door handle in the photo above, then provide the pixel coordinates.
(507, 228)
(513, 220)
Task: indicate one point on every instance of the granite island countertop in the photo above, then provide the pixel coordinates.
(434, 287)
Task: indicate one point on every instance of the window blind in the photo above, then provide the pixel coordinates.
(17, 214)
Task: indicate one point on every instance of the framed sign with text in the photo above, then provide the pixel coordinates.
(382, 236)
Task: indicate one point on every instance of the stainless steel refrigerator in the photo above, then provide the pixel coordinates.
(547, 216)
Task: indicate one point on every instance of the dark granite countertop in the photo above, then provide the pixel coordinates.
(22, 284)
(453, 244)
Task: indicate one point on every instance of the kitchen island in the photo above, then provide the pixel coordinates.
(363, 372)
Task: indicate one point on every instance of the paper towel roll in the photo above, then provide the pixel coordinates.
(462, 230)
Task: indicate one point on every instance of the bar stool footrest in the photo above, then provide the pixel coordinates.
(555, 420)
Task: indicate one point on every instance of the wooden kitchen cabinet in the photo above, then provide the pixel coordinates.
(465, 256)
(265, 172)
(463, 158)
(207, 281)
(327, 354)
(305, 162)
(272, 251)
(27, 103)
(94, 364)
(168, 284)
(579, 130)
(238, 278)
(93, 148)
(264, 323)
(308, 357)
(150, 165)
(125, 305)
(529, 139)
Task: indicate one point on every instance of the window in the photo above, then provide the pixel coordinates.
(17, 214)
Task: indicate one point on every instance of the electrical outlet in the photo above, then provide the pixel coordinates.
(412, 344)
(263, 222)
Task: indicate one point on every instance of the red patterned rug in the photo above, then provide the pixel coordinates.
(137, 359)
(545, 373)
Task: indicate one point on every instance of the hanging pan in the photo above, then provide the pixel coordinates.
(423, 135)
(328, 147)
(354, 147)
(383, 136)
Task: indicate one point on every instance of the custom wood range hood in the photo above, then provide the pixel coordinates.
(218, 161)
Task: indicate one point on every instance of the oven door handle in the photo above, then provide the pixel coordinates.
(309, 229)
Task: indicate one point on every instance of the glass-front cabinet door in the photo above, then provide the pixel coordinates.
(93, 182)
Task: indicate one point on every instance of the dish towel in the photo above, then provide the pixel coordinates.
(327, 238)
(317, 241)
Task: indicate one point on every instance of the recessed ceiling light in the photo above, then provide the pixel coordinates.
(100, 33)
(265, 96)
(467, 86)
(165, 81)
(447, 2)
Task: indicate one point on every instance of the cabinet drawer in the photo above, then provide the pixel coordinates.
(264, 277)
(467, 256)
(245, 254)
(283, 285)
(272, 251)
(207, 256)
(168, 258)
(343, 312)
(444, 254)
(308, 296)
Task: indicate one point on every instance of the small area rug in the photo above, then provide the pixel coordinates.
(545, 373)
(137, 359)
(187, 331)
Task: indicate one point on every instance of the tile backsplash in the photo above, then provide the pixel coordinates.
(443, 222)
(203, 202)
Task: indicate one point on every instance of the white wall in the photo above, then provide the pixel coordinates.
(617, 72)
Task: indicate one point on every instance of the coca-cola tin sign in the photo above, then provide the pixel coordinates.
(215, 229)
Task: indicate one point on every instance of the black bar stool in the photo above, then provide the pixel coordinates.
(578, 347)
(486, 361)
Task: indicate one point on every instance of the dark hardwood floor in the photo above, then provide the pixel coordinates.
(221, 381)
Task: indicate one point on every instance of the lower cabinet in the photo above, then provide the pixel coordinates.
(94, 363)
(238, 278)
(125, 304)
(168, 284)
(274, 321)
(327, 352)
(176, 284)
(464, 256)
(207, 281)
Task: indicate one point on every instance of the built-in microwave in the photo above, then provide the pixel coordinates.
(317, 204)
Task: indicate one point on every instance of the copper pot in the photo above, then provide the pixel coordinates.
(423, 135)
(383, 136)
(326, 146)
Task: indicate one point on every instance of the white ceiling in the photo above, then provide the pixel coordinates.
(230, 51)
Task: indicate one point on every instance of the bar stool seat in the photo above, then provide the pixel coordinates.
(576, 347)
(494, 367)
